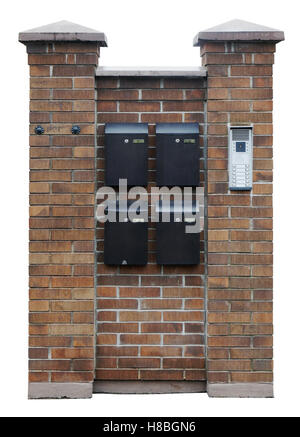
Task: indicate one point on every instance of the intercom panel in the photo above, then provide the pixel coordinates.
(240, 160)
(126, 153)
(177, 154)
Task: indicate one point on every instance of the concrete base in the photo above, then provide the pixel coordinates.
(149, 387)
(240, 390)
(57, 390)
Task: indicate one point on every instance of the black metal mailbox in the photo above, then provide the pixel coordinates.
(174, 245)
(177, 156)
(126, 242)
(126, 153)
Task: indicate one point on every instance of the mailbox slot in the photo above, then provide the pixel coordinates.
(177, 156)
(126, 242)
(126, 153)
(174, 245)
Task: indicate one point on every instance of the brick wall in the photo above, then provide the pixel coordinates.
(150, 320)
(62, 93)
(211, 322)
(239, 320)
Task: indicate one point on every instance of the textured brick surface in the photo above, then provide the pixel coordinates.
(150, 320)
(62, 214)
(212, 321)
(239, 252)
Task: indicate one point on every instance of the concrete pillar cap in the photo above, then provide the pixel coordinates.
(239, 30)
(63, 31)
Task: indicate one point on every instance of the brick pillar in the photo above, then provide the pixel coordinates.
(62, 58)
(239, 57)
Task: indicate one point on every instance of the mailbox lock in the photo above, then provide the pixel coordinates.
(126, 140)
(39, 130)
(177, 140)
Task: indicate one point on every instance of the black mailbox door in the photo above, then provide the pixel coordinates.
(175, 246)
(177, 155)
(126, 153)
(126, 243)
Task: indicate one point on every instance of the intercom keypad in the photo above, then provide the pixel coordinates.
(240, 158)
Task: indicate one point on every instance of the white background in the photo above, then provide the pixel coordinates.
(147, 32)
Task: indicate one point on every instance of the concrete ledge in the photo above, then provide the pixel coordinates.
(240, 390)
(57, 390)
(152, 71)
(149, 387)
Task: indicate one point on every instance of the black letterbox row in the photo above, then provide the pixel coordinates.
(177, 154)
(126, 242)
(126, 145)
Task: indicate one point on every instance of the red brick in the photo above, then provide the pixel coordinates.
(161, 118)
(140, 339)
(72, 376)
(228, 105)
(76, 47)
(139, 107)
(73, 70)
(161, 351)
(228, 82)
(39, 70)
(183, 339)
(223, 59)
(161, 327)
(161, 94)
(122, 375)
(183, 363)
(117, 118)
(251, 70)
(251, 377)
(138, 362)
(104, 94)
(183, 106)
(49, 59)
(250, 94)
(118, 327)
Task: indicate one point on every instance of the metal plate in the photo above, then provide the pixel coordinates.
(174, 246)
(126, 153)
(177, 155)
(126, 243)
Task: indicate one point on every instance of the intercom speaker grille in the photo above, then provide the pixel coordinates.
(240, 134)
